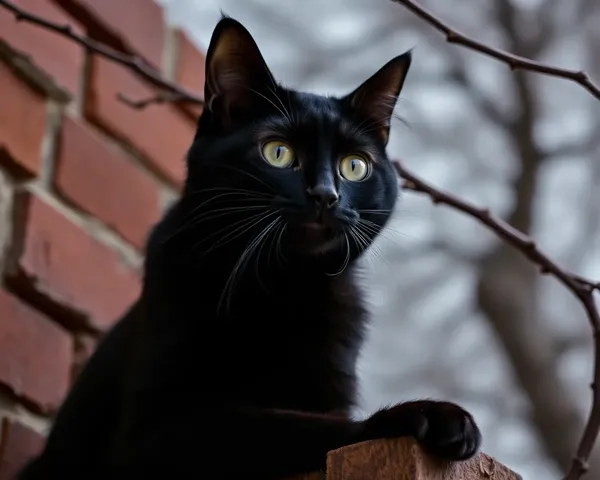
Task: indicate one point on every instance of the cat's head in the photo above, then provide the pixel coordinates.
(297, 172)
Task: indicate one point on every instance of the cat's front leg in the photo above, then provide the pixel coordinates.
(443, 428)
(278, 443)
(260, 443)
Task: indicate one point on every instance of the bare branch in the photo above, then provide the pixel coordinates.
(485, 105)
(581, 287)
(161, 97)
(514, 62)
(135, 63)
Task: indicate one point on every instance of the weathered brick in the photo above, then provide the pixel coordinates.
(35, 355)
(59, 262)
(22, 125)
(101, 180)
(18, 444)
(137, 25)
(162, 133)
(190, 68)
(56, 55)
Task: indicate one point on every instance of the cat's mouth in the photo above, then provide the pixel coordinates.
(315, 226)
(318, 236)
(316, 232)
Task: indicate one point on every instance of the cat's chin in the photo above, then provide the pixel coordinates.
(326, 246)
(315, 239)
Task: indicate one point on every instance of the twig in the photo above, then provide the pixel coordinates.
(582, 288)
(161, 97)
(135, 63)
(514, 62)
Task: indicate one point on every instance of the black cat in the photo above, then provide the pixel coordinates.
(239, 357)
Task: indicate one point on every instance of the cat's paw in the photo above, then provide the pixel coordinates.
(443, 429)
(448, 431)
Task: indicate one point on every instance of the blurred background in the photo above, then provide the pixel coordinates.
(458, 314)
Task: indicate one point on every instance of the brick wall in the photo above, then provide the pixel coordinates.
(82, 179)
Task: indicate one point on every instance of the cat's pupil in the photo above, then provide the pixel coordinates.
(354, 164)
(279, 152)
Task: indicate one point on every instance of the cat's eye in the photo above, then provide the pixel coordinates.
(354, 168)
(278, 153)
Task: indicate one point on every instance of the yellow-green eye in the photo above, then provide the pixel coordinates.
(278, 154)
(354, 168)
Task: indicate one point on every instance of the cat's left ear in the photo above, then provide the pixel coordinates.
(376, 98)
(236, 73)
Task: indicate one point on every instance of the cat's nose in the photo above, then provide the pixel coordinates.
(324, 195)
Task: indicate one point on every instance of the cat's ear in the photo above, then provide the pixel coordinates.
(236, 73)
(376, 98)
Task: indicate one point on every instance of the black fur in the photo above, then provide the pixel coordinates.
(239, 356)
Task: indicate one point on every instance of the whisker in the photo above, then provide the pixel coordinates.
(246, 254)
(270, 101)
(346, 260)
(372, 250)
(220, 212)
(287, 113)
(228, 189)
(291, 110)
(247, 225)
(359, 245)
(275, 243)
(278, 221)
(279, 253)
(382, 211)
(369, 248)
(384, 232)
(206, 202)
(211, 215)
(363, 242)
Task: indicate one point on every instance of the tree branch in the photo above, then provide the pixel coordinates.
(161, 97)
(135, 63)
(579, 285)
(514, 62)
(582, 288)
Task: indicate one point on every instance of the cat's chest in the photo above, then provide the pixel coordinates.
(293, 355)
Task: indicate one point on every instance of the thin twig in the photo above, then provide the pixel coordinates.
(581, 287)
(135, 63)
(514, 62)
(161, 97)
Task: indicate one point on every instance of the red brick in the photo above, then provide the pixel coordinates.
(138, 25)
(17, 445)
(101, 180)
(22, 125)
(54, 54)
(190, 67)
(60, 262)
(36, 355)
(162, 133)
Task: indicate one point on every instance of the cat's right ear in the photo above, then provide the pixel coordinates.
(236, 73)
(376, 98)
